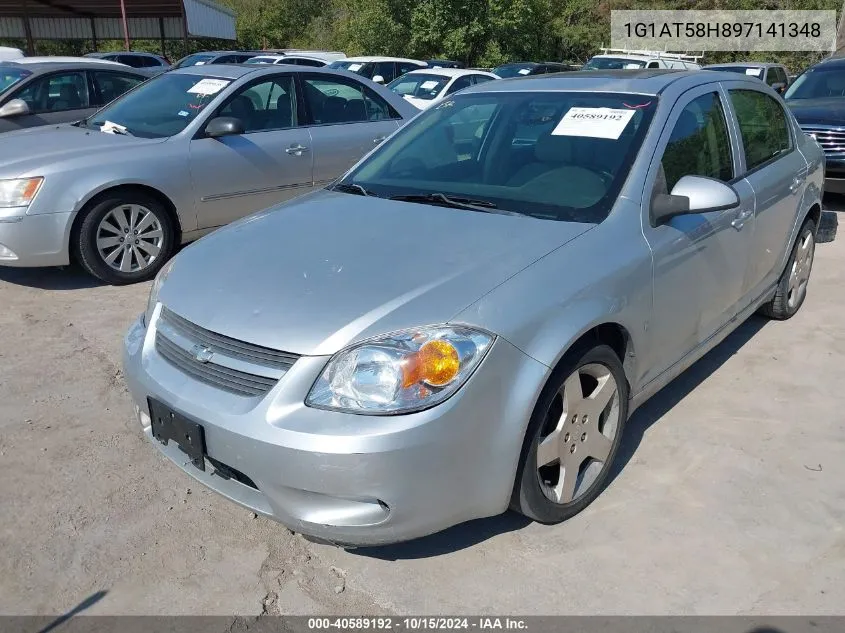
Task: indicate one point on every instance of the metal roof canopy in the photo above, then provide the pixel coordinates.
(114, 19)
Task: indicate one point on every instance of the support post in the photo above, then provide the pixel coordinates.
(93, 33)
(27, 29)
(161, 33)
(125, 25)
(184, 26)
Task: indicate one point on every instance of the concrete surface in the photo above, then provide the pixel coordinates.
(730, 498)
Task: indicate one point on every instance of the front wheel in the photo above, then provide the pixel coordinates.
(573, 436)
(125, 238)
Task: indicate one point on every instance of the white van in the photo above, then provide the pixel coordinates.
(10, 54)
(619, 59)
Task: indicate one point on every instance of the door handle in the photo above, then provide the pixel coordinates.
(742, 217)
(296, 150)
(379, 139)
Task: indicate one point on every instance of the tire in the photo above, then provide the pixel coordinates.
(792, 285)
(102, 236)
(543, 493)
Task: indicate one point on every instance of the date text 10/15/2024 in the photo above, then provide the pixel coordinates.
(381, 623)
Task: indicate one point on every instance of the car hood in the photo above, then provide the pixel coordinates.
(25, 151)
(829, 110)
(311, 276)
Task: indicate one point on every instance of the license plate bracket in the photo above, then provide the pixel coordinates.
(188, 435)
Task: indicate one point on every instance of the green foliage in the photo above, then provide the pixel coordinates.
(479, 32)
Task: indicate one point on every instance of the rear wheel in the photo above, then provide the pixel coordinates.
(792, 286)
(125, 238)
(573, 437)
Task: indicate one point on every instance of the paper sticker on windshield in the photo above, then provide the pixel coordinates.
(429, 85)
(593, 122)
(632, 66)
(209, 86)
(184, 113)
(354, 67)
(754, 72)
(524, 71)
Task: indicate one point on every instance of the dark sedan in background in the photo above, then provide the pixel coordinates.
(817, 99)
(48, 93)
(521, 69)
(135, 59)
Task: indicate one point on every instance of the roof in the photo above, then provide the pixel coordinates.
(836, 62)
(74, 19)
(139, 53)
(57, 59)
(649, 82)
(742, 65)
(376, 58)
(450, 72)
(43, 67)
(224, 71)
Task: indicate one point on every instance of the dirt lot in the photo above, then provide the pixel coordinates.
(730, 498)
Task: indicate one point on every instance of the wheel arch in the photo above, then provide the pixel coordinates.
(95, 197)
(815, 214)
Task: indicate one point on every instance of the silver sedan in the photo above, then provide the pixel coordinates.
(464, 322)
(179, 156)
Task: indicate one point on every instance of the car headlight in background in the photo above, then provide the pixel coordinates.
(400, 372)
(152, 301)
(19, 192)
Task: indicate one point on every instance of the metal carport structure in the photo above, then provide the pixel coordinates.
(95, 20)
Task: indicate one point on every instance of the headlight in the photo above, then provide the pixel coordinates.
(19, 192)
(157, 284)
(400, 372)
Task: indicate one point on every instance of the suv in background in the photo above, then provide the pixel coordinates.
(521, 69)
(817, 99)
(775, 75)
(134, 59)
(623, 59)
(381, 70)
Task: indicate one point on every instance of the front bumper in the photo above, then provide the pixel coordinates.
(343, 478)
(35, 240)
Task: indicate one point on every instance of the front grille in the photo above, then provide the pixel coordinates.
(830, 137)
(229, 364)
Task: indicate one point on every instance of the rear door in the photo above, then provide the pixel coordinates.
(60, 97)
(347, 119)
(700, 259)
(776, 172)
(234, 176)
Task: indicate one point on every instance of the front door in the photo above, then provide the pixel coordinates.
(347, 119)
(272, 161)
(61, 97)
(699, 259)
(777, 172)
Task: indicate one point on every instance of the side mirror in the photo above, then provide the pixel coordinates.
(224, 126)
(378, 79)
(15, 107)
(693, 194)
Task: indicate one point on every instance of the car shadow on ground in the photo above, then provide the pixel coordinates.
(82, 606)
(477, 531)
(64, 278)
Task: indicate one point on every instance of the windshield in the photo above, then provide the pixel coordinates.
(551, 155)
(10, 76)
(751, 71)
(613, 63)
(420, 86)
(361, 68)
(160, 107)
(513, 70)
(818, 83)
(194, 60)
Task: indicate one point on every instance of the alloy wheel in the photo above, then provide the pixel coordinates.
(578, 433)
(129, 238)
(799, 275)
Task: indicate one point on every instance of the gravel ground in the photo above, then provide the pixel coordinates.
(730, 498)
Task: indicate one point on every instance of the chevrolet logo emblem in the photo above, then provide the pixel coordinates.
(201, 353)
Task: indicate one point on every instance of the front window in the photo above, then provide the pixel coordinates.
(160, 107)
(613, 63)
(420, 86)
(55, 93)
(194, 60)
(365, 69)
(514, 70)
(818, 83)
(11, 76)
(551, 155)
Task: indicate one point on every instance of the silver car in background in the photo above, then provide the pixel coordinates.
(464, 322)
(180, 155)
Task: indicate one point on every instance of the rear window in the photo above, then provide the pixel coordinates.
(613, 63)
(194, 60)
(421, 86)
(751, 71)
(514, 70)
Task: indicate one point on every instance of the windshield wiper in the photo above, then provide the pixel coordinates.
(353, 188)
(455, 202)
